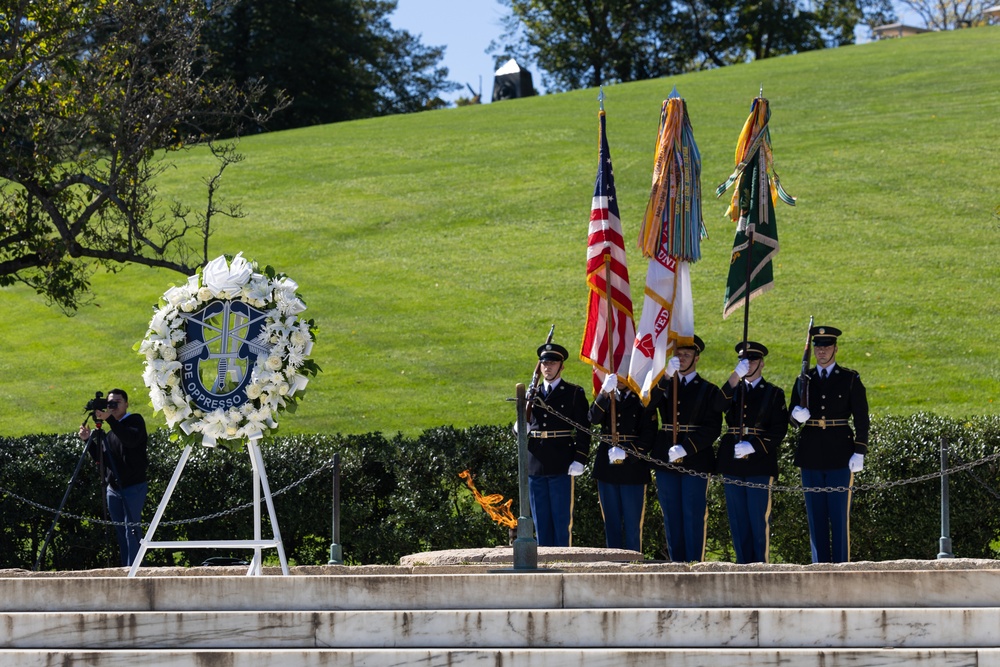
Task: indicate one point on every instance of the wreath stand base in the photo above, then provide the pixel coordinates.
(257, 543)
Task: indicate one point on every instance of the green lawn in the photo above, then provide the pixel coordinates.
(436, 249)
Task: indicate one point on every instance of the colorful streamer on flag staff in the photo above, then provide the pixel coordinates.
(752, 208)
(670, 237)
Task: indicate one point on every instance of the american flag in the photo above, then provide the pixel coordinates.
(607, 328)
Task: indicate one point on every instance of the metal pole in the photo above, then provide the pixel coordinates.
(336, 550)
(945, 542)
(525, 546)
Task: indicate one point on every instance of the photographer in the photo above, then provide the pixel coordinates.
(125, 462)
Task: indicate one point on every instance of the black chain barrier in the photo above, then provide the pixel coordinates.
(239, 508)
(539, 403)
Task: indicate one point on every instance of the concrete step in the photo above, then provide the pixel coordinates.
(931, 657)
(544, 590)
(928, 628)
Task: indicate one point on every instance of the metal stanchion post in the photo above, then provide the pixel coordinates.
(525, 546)
(336, 550)
(945, 542)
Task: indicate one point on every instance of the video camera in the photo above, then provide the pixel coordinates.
(99, 403)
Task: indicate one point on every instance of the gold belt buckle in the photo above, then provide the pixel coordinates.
(822, 423)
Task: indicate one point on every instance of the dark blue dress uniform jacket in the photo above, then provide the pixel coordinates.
(839, 397)
(766, 417)
(699, 417)
(637, 424)
(552, 456)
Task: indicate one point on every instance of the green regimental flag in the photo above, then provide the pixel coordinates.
(756, 220)
(752, 208)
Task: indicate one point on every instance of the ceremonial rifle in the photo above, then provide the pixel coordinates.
(533, 387)
(804, 375)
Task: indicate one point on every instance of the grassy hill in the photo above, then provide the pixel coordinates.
(436, 249)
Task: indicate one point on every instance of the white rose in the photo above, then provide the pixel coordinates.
(273, 363)
(204, 294)
(283, 389)
(253, 391)
(169, 353)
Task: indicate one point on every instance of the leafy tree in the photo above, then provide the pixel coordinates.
(950, 14)
(585, 43)
(90, 91)
(338, 59)
(590, 42)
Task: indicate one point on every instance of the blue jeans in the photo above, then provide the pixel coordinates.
(126, 505)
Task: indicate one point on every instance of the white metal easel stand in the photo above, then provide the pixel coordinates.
(259, 483)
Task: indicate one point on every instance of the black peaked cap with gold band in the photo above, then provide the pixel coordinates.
(824, 335)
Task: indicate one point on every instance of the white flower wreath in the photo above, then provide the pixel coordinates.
(248, 324)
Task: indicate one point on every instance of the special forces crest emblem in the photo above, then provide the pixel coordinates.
(224, 340)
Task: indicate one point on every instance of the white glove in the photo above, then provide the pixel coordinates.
(575, 468)
(673, 366)
(801, 414)
(610, 383)
(742, 448)
(742, 368)
(532, 426)
(857, 462)
(676, 452)
(616, 454)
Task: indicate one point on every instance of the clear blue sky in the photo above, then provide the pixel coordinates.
(465, 27)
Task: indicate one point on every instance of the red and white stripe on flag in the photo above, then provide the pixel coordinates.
(609, 333)
(667, 321)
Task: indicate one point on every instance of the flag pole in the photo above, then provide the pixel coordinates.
(607, 296)
(611, 345)
(746, 291)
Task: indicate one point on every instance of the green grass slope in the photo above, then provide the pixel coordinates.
(436, 249)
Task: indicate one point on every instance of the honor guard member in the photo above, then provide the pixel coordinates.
(748, 451)
(684, 496)
(622, 476)
(829, 451)
(557, 450)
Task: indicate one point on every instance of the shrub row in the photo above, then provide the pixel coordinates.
(404, 495)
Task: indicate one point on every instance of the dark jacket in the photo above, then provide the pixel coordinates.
(699, 419)
(637, 428)
(125, 460)
(842, 396)
(765, 422)
(552, 455)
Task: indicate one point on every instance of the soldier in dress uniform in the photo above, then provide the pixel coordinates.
(621, 476)
(557, 450)
(684, 497)
(748, 451)
(829, 451)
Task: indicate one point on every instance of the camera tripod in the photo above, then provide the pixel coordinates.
(99, 434)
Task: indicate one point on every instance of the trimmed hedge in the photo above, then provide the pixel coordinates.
(403, 495)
